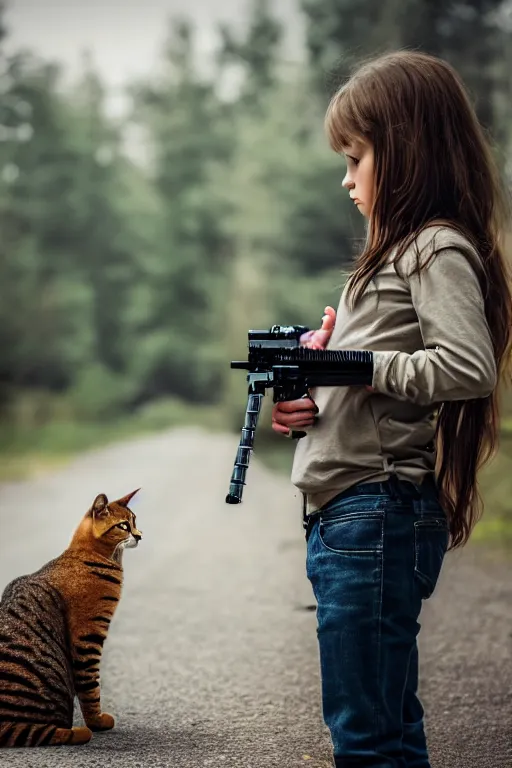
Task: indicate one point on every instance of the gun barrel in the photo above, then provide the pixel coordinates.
(326, 373)
(324, 359)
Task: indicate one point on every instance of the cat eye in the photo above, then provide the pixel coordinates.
(124, 526)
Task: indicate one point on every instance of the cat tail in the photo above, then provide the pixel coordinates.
(44, 735)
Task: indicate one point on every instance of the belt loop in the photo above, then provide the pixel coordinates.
(309, 524)
(307, 520)
(394, 486)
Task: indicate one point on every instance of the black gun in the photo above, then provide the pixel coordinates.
(277, 360)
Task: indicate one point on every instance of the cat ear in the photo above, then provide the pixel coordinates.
(126, 499)
(99, 506)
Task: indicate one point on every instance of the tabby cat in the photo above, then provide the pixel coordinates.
(53, 624)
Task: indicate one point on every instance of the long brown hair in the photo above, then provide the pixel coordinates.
(433, 163)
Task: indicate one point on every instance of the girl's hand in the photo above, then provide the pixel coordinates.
(293, 415)
(318, 339)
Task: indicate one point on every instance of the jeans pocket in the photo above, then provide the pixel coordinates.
(430, 543)
(356, 533)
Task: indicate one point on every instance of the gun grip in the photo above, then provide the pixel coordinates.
(293, 390)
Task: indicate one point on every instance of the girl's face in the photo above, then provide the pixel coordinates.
(359, 179)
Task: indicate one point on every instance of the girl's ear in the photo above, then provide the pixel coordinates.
(99, 506)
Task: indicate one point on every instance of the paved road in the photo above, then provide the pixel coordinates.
(212, 657)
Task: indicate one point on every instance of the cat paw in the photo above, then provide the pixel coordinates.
(80, 736)
(103, 722)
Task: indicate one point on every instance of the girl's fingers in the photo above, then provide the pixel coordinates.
(313, 344)
(294, 414)
(319, 338)
(293, 420)
(290, 406)
(328, 319)
(284, 430)
(306, 337)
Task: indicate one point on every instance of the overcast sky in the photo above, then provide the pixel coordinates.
(125, 36)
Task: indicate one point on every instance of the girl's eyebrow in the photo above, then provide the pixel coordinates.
(356, 146)
(352, 150)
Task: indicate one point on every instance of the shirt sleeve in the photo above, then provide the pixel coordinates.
(457, 362)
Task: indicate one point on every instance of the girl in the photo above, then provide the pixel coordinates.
(389, 472)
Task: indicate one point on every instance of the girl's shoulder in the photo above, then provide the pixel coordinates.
(431, 241)
(442, 235)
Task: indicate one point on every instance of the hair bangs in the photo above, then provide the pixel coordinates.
(343, 120)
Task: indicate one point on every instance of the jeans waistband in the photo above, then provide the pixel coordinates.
(393, 487)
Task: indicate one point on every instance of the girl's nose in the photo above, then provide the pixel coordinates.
(347, 182)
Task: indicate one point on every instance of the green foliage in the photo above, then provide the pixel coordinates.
(257, 54)
(178, 301)
(473, 35)
(341, 32)
(99, 392)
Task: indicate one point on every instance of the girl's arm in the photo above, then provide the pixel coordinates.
(458, 360)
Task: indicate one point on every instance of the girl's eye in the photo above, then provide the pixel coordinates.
(353, 160)
(124, 526)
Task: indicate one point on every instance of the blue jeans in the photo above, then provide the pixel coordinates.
(374, 554)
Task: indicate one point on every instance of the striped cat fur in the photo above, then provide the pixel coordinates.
(53, 624)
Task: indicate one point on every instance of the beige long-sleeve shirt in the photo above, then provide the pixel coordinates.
(431, 343)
